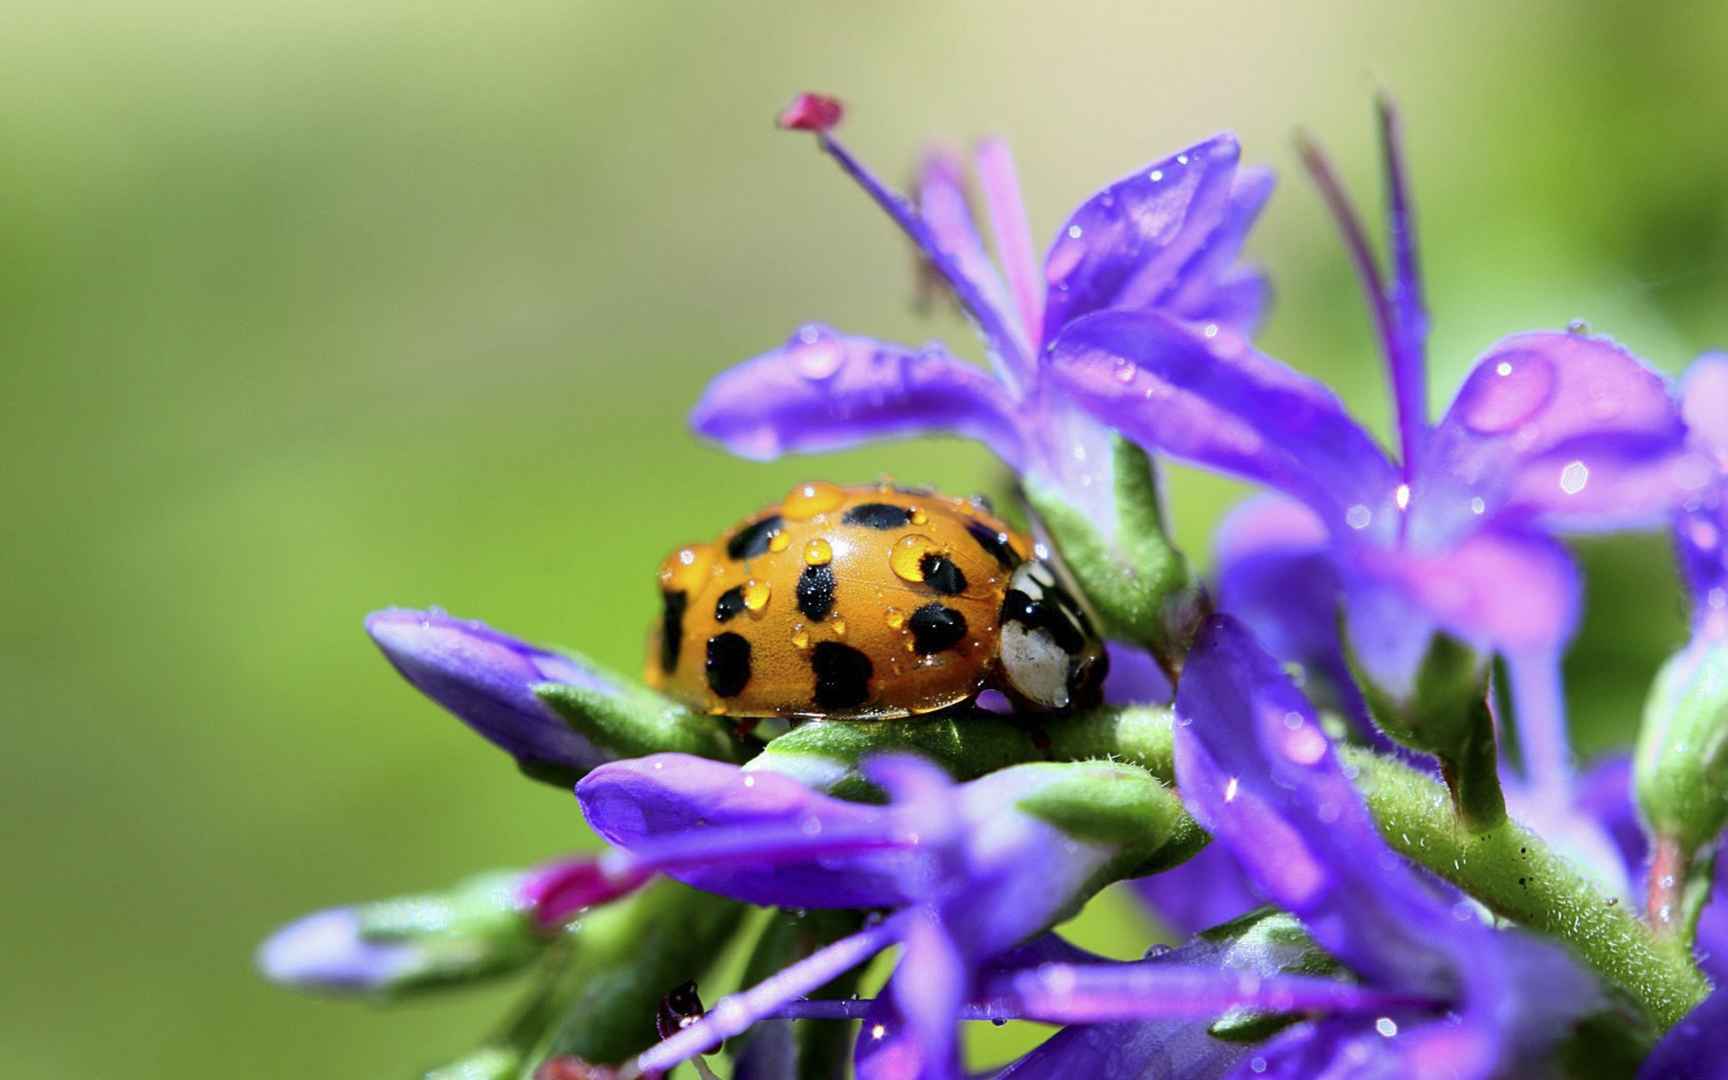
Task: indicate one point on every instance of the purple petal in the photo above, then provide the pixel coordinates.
(1701, 549)
(910, 1032)
(325, 950)
(998, 334)
(1704, 404)
(943, 206)
(1218, 402)
(643, 802)
(1277, 573)
(1134, 678)
(1512, 590)
(1569, 428)
(1001, 184)
(826, 391)
(1210, 289)
(1260, 775)
(1093, 993)
(1203, 892)
(487, 680)
(733, 1014)
(1696, 1048)
(1127, 245)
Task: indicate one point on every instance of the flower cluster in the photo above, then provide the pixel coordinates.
(1303, 764)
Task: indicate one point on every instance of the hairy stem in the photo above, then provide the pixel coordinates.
(1505, 866)
(1518, 877)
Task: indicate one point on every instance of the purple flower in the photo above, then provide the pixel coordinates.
(481, 927)
(1550, 431)
(1165, 238)
(1694, 1049)
(966, 871)
(1701, 525)
(1259, 773)
(556, 715)
(487, 679)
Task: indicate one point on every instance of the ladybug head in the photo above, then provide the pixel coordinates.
(1052, 658)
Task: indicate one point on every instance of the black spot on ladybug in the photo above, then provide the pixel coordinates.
(935, 628)
(731, 602)
(816, 592)
(842, 675)
(678, 1010)
(994, 543)
(1042, 615)
(671, 628)
(875, 515)
(941, 574)
(728, 664)
(752, 539)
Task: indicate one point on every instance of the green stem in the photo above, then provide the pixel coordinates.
(1519, 878)
(1509, 869)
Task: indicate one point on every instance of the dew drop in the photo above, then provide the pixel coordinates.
(919, 517)
(1478, 506)
(1156, 176)
(756, 595)
(807, 500)
(838, 625)
(1358, 517)
(1500, 399)
(800, 637)
(1577, 326)
(1386, 1026)
(1075, 232)
(819, 361)
(1125, 371)
(818, 552)
(907, 556)
(779, 541)
(1573, 477)
(895, 618)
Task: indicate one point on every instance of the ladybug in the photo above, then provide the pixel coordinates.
(867, 603)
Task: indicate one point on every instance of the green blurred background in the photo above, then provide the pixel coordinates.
(313, 308)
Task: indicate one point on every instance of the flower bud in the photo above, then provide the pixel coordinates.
(1682, 758)
(479, 928)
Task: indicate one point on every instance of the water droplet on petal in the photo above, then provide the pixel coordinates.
(1573, 477)
(1386, 1026)
(1075, 232)
(1496, 400)
(1156, 176)
(1358, 517)
(1577, 326)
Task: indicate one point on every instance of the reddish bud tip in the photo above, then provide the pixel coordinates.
(812, 112)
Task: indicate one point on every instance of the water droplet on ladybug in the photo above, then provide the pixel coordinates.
(756, 595)
(895, 618)
(919, 517)
(907, 557)
(807, 500)
(818, 552)
(839, 626)
(779, 541)
(800, 637)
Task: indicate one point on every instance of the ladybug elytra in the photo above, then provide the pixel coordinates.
(869, 603)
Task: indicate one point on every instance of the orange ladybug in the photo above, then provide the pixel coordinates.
(869, 603)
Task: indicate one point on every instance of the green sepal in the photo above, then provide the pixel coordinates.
(824, 754)
(475, 931)
(1681, 765)
(1143, 735)
(1446, 713)
(1119, 806)
(801, 1049)
(1135, 579)
(635, 722)
(597, 991)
